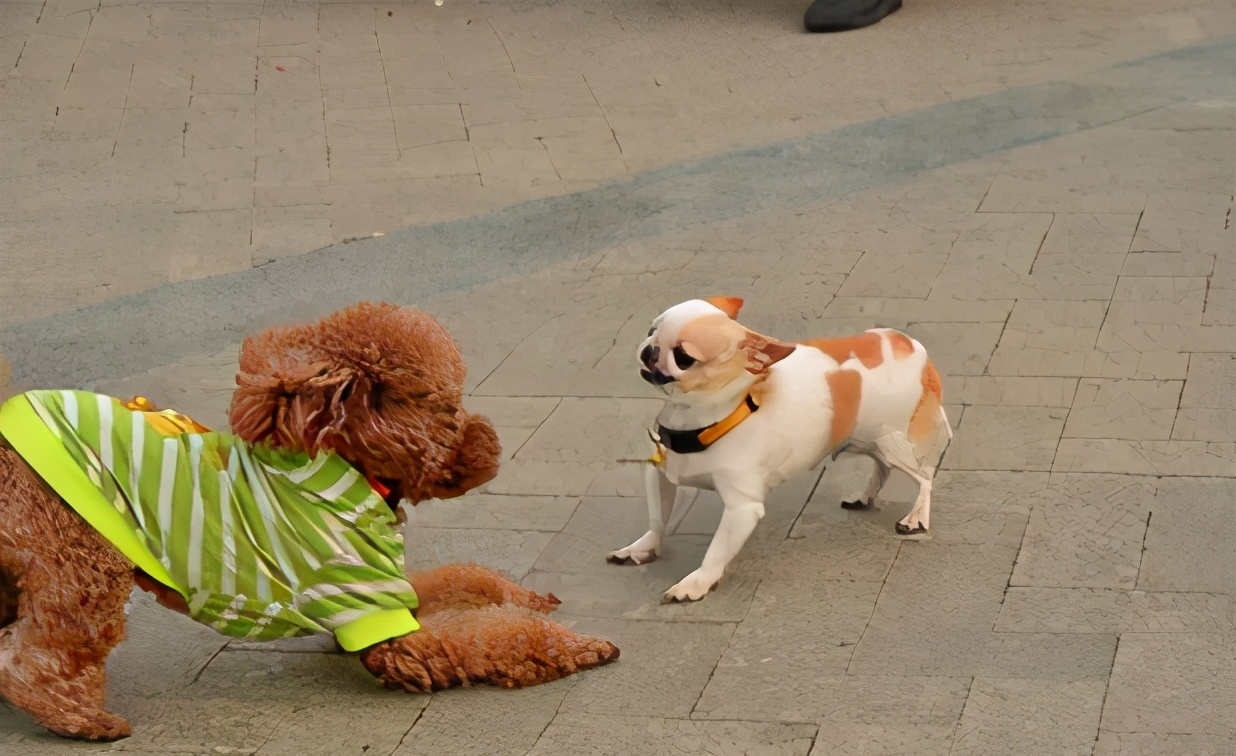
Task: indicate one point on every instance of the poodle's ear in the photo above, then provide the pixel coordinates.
(282, 387)
(474, 463)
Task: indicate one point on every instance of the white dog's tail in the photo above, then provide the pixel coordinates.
(947, 426)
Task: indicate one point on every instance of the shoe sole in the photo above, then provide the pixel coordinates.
(880, 12)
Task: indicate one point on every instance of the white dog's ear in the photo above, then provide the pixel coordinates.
(729, 305)
(763, 352)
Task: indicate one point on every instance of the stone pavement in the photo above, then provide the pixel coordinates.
(1041, 193)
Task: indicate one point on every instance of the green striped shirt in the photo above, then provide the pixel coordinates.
(262, 543)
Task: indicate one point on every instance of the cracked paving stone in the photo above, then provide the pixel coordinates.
(663, 668)
(655, 736)
(1162, 458)
(1208, 402)
(497, 721)
(794, 635)
(896, 702)
(1188, 541)
(1095, 610)
(1141, 410)
(1004, 716)
(1007, 438)
(935, 614)
(1085, 531)
(497, 512)
(512, 552)
(1152, 743)
(514, 418)
(576, 451)
(1180, 683)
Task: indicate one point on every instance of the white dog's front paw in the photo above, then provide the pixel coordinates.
(691, 588)
(642, 551)
(912, 524)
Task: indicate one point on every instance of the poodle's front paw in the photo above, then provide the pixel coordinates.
(693, 587)
(87, 724)
(643, 551)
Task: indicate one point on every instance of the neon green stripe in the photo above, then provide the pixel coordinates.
(374, 628)
(38, 446)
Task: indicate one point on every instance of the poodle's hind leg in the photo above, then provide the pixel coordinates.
(62, 595)
(509, 646)
(472, 583)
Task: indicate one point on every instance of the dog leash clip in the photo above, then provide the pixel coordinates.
(658, 454)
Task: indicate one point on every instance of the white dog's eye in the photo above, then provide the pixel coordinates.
(652, 330)
(682, 359)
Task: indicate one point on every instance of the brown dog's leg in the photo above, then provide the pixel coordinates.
(461, 583)
(507, 645)
(64, 589)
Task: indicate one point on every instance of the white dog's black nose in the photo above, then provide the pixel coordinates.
(649, 356)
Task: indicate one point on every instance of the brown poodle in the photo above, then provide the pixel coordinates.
(376, 386)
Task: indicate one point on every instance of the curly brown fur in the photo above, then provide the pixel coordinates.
(65, 596)
(379, 384)
(464, 583)
(382, 386)
(507, 645)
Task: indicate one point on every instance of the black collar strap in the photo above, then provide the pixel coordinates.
(692, 441)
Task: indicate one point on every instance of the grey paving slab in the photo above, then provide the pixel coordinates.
(1106, 610)
(1086, 531)
(1178, 683)
(1206, 403)
(1186, 539)
(942, 624)
(577, 449)
(498, 721)
(1023, 716)
(794, 636)
(884, 739)
(1168, 264)
(513, 552)
(858, 701)
(957, 349)
(658, 735)
(1148, 743)
(1187, 458)
(499, 512)
(1011, 391)
(662, 676)
(1106, 408)
(1008, 438)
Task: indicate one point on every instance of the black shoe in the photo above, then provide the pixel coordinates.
(842, 15)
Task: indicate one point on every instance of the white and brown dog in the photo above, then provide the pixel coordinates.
(746, 411)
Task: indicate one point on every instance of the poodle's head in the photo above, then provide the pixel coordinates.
(380, 385)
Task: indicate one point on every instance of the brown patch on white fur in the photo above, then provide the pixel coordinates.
(846, 387)
(763, 352)
(867, 347)
(729, 305)
(926, 415)
(901, 344)
(714, 342)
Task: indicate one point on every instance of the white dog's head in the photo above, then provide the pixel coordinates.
(699, 346)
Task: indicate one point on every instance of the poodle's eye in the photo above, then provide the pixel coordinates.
(682, 359)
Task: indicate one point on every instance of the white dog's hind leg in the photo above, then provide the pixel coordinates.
(742, 513)
(661, 495)
(879, 477)
(897, 451)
